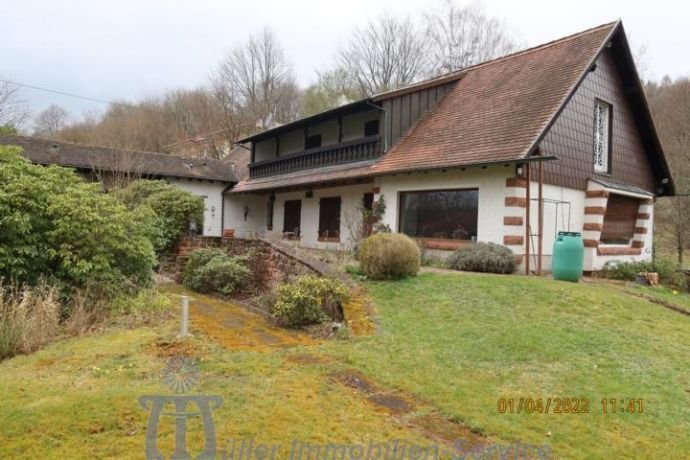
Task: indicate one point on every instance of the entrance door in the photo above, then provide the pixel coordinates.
(292, 218)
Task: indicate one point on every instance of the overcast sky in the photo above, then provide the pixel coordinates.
(127, 49)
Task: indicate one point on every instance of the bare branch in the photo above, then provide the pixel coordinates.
(460, 36)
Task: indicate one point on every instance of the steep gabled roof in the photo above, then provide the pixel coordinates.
(80, 156)
(500, 109)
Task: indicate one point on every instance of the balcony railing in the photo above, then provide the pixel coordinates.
(345, 152)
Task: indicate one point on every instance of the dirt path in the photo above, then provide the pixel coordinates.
(233, 326)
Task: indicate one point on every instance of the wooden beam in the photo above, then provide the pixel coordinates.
(527, 217)
(340, 129)
(540, 249)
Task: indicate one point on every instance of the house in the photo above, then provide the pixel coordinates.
(557, 137)
(207, 179)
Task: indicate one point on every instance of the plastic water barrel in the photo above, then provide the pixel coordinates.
(568, 256)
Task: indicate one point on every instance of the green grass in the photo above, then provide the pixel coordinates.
(461, 342)
(457, 343)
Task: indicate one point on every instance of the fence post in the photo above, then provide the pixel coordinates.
(184, 316)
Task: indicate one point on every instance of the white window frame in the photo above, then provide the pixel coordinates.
(602, 136)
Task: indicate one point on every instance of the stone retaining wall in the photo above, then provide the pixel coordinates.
(275, 262)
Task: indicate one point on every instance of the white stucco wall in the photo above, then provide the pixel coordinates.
(328, 131)
(351, 197)
(556, 217)
(490, 182)
(212, 194)
(265, 150)
(291, 142)
(255, 221)
(353, 125)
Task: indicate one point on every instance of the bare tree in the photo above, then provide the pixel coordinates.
(13, 110)
(117, 170)
(254, 84)
(386, 54)
(460, 36)
(49, 122)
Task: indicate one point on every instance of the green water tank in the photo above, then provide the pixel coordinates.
(568, 256)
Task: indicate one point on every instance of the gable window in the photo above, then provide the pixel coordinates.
(292, 217)
(619, 219)
(329, 219)
(602, 136)
(371, 128)
(312, 142)
(444, 214)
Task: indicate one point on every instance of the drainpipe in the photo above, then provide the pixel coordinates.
(385, 123)
(222, 207)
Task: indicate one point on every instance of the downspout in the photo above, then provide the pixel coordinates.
(222, 207)
(385, 124)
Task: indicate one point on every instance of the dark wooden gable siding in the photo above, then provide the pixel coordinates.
(571, 138)
(404, 110)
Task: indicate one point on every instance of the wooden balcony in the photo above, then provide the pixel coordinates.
(345, 152)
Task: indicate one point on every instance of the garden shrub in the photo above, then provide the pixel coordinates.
(56, 226)
(307, 300)
(389, 256)
(173, 209)
(667, 269)
(483, 257)
(215, 271)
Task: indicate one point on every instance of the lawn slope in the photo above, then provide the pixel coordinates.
(461, 342)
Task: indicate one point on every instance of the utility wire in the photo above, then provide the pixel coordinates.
(63, 93)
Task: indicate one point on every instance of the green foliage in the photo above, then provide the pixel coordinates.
(307, 299)
(483, 257)
(215, 271)
(172, 209)
(54, 225)
(668, 270)
(8, 129)
(332, 89)
(389, 256)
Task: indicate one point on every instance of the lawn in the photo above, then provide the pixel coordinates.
(449, 345)
(461, 342)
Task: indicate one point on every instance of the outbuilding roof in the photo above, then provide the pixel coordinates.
(88, 157)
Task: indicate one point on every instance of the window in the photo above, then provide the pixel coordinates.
(445, 214)
(619, 220)
(371, 128)
(602, 136)
(329, 219)
(292, 217)
(312, 142)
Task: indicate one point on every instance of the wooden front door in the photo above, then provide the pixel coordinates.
(292, 218)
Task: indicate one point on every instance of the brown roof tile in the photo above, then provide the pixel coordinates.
(46, 151)
(499, 109)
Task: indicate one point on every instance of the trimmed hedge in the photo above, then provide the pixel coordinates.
(389, 256)
(483, 257)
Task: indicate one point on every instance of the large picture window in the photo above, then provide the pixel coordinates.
(619, 220)
(602, 136)
(445, 214)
